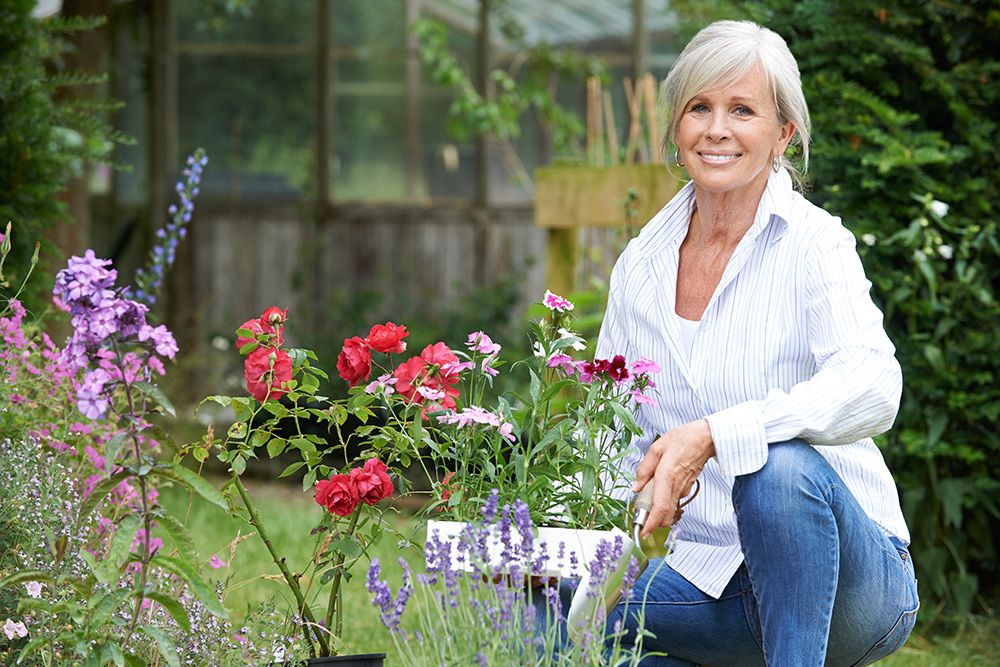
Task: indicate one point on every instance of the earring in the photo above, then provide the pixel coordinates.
(776, 164)
(677, 158)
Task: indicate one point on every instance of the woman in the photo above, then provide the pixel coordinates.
(776, 374)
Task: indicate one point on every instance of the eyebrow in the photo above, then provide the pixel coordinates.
(739, 98)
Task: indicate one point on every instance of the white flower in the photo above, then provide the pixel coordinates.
(938, 208)
(538, 350)
(919, 256)
(946, 251)
(34, 589)
(868, 239)
(566, 333)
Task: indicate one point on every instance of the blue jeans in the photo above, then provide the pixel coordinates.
(821, 583)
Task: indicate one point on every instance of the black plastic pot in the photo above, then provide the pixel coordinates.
(361, 660)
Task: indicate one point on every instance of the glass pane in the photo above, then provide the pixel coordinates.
(260, 22)
(132, 87)
(256, 119)
(369, 26)
(448, 166)
(369, 161)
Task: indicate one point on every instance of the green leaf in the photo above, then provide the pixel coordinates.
(303, 444)
(100, 492)
(113, 447)
(193, 482)
(239, 464)
(121, 546)
(164, 643)
(275, 447)
(179, 534)
(173, 607)
(291, 468)
(350, 548)
(624, 416)
(224, 401)
(157, 396)
(198, 586)
(112, 652)
(936, 359)
(24, 575)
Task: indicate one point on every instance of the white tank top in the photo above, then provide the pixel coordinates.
(689, 329)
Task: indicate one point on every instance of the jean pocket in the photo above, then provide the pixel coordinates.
(893, 640)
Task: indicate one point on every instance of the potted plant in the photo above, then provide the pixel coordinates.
(556, 448)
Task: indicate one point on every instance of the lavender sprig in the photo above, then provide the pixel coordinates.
(149, 279)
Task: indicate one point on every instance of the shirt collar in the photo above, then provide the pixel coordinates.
(669, 226)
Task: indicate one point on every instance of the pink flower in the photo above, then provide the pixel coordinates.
(354, 363)
(215, 562)
(339, 494)
(274, 316)
(556, 303)
(457, 367)
(489, 370)
(12, 629)
(383, 383)
(641, 366)
(372, 481)
(641, 398)
(34, 589)
(563, 361)
(480, 342)
(430, 393)
(266, 372)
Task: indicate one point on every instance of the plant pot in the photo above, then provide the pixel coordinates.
(359, 660)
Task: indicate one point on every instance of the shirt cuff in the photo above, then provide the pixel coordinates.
(739, 437)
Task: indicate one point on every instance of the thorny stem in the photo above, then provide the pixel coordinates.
(334, 600)
(290, 579)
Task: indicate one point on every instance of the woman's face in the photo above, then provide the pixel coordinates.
(727, 137)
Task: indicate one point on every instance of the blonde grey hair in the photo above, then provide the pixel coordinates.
(720, 54)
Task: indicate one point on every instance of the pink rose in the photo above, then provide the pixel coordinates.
(408, 374)
(387, 337)
(264, 382)
(372, 481)
(339, 494)
(354, 363)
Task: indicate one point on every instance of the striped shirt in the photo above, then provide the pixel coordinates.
(790, 346)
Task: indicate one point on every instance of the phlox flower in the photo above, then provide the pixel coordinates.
(34, 589)
(12, 629)
(556, 303)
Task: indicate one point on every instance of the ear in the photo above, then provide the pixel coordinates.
(785, 134)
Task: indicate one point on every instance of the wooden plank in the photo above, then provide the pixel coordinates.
(574, 196)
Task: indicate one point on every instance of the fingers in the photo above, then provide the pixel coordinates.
(647, 467)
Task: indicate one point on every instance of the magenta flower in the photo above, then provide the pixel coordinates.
(563, 361)
(641, 366)
(215, 562)
(556, 303)
(480, 342)
(642, 398)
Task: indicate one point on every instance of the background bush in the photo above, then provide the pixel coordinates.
(904, 99)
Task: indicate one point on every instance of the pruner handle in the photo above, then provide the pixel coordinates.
(644, 503)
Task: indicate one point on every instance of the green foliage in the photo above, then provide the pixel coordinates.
(903, 99)
(43, 141)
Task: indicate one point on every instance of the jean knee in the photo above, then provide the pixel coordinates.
(793, 468)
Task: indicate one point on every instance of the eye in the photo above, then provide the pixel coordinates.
(698, 107)
(743, 110)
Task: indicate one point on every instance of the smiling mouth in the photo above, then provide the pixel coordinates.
(711, 157)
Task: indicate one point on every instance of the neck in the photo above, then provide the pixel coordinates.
(722, 218)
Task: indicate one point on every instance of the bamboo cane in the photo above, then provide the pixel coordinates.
(610, 128)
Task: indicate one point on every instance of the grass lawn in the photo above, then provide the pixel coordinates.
(290, 514)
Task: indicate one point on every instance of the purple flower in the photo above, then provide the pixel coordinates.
(163, 341)
(631, 575)
(556, 303)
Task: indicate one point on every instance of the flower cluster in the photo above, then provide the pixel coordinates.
(104, 322)
(342, 493)
(161, 257)
(354, 363)
(267, 368)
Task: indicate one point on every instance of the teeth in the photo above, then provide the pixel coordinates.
(719, 158)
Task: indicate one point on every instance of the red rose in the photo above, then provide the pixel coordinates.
(265, 371)
(372, 481)
(338, 494)
(354, 363)
(387, 337)
(409, 374)
(274, 316)
(258, 327)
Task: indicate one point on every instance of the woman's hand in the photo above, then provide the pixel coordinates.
(672, 464)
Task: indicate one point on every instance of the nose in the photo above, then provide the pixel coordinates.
(718, 125)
